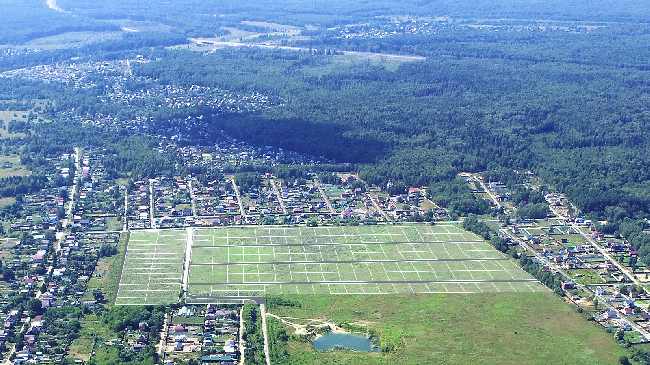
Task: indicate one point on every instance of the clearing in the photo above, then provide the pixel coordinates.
(510, 328)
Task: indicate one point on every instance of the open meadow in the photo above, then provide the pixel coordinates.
(508, 328)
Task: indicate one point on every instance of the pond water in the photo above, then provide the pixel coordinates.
(346, 340)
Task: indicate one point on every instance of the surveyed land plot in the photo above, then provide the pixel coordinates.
(383, 259)
(153, 268)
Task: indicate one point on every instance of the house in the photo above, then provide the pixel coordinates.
(47, 299)
(568, 285)
(143, 326)
(215, 359)
(185, 312)
(229, 347)
(179, 328)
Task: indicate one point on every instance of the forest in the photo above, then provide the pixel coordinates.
(483, 100)
(582, 128)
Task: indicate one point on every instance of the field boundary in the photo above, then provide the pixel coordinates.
(347, 261)
(119, 278)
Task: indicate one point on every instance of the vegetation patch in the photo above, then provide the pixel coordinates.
(509, 328)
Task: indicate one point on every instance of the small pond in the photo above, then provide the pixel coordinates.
(345, 340)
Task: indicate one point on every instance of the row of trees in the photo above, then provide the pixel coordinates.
(254, 352)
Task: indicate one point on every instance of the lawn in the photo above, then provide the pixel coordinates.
(574, 239)
(588, 276)
(508, 328)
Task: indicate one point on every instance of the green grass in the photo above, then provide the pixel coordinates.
(152, 271)
(574, 239)
(509, 328)
(108, 282)
(589, 276)
(245, 247)
(14, 167)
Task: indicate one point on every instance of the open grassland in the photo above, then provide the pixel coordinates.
(509, 328)
(11, 166)
(349, 260)
(153, 268)
(109, 269)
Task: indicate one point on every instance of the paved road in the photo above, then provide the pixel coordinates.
(381, 211)
(346, 261)
(77, 175)
(337, 244)
(487, 281)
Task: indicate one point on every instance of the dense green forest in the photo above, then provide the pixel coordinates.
(327, 13)
(583, 128)
(576, 115)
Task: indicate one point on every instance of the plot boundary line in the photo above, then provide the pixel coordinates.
(343, 261)
(491, 281)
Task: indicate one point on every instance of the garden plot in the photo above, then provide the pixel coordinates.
(349, 260)
(153, 268)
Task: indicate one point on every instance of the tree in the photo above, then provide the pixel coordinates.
(312, 221)
(8, 275)
(624, 290)
(98, 295)
(633, 261)
(619, 335)
(34, 307)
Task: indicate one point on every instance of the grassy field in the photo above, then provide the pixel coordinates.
(508, 328)
(349, 260)
(153, 268)
(111, 268)
(10, 166)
